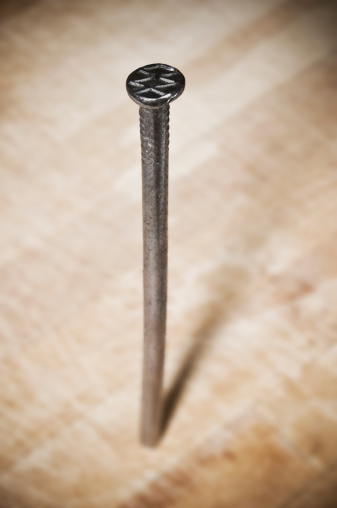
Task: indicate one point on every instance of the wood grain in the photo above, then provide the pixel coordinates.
(250, 380)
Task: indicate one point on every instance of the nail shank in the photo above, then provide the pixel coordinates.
(154, 127)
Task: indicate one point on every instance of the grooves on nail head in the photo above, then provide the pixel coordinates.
(155, 85)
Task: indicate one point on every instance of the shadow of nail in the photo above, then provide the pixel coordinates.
(187, 367)
(225, 295)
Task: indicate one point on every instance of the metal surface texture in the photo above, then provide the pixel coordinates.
(153, 87)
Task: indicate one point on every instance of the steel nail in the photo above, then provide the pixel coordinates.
(153, 87)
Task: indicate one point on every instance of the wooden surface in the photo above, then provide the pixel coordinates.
(251, 378)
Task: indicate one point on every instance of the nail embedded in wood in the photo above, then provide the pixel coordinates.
(153, 87)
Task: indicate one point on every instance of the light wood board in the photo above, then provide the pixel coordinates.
(251, 377)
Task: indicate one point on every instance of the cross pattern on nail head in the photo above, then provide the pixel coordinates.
(155, 85)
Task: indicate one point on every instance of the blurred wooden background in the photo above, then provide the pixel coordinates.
(251, 378)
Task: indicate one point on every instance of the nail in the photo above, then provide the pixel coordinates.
(153, 87)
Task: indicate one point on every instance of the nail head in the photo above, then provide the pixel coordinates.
(155, 85)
